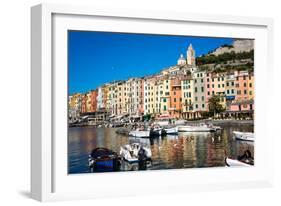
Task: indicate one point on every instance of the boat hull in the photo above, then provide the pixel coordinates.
(155, 133)
(103, 160)
(244, 136)
(195, 129)
(139, 133)
(173, 130)
(235, 163)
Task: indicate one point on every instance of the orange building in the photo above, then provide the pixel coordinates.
(93, 103)
(245, 86)
(84, 103)
(176, 98)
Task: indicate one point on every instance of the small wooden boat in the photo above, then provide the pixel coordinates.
(103, 160)
(245, 136)
(235, 163)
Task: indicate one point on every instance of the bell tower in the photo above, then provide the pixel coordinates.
(191, 56)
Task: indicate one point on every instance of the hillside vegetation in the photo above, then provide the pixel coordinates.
(227, 62)
(224, 58)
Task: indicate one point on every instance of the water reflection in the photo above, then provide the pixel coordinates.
(186, 150)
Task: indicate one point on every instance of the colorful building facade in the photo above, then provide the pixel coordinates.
(180, 91)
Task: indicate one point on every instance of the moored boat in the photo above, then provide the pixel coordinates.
(103, 160)
(235, 163)
(171, 130)
(139, 133)
(135, 152)
(156, 130)
(245, 136)
(196, 128)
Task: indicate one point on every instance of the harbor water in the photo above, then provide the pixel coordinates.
(185, 150)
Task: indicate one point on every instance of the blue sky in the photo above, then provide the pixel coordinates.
(95, 58)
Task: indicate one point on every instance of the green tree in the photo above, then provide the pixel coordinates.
(214, 105)
(147, 117)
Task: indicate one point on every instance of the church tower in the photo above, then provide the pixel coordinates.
(191, 56)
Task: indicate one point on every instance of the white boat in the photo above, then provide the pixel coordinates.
(216, 128)
(171, 130)
(245, 136)
(235, 163)
(180, 122)
(139, 133)
(162, 122)
(133, 153)
(199, 128)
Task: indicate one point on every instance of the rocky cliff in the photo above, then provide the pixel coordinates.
(237, 46)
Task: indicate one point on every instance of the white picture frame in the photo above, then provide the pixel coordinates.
(49, 178)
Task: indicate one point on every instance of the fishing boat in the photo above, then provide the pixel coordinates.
(196, 128)
(135, 152)
(245, 136)
(235, 163)
(171, 130)
(103, 160)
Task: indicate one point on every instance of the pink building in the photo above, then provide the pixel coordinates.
(247, 105)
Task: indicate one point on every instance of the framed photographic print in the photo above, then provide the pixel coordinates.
(163, 102)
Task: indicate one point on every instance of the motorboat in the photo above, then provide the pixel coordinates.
(180, 122)
(156, 130)
(235, 163)
(171, 130)
(196, 128)
(216, 128)
(103, 160)
(162, 122)
(245, 136)
(135, 153)
(140, 132)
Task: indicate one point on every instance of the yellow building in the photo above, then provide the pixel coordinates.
(105, 97)
(122, 98)
(88, 102)
(187, 86)
(149, 87)
(165, 88)
(112, 98)
(216, 86)
(75, 102)
(75, 107)
(251, 87)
